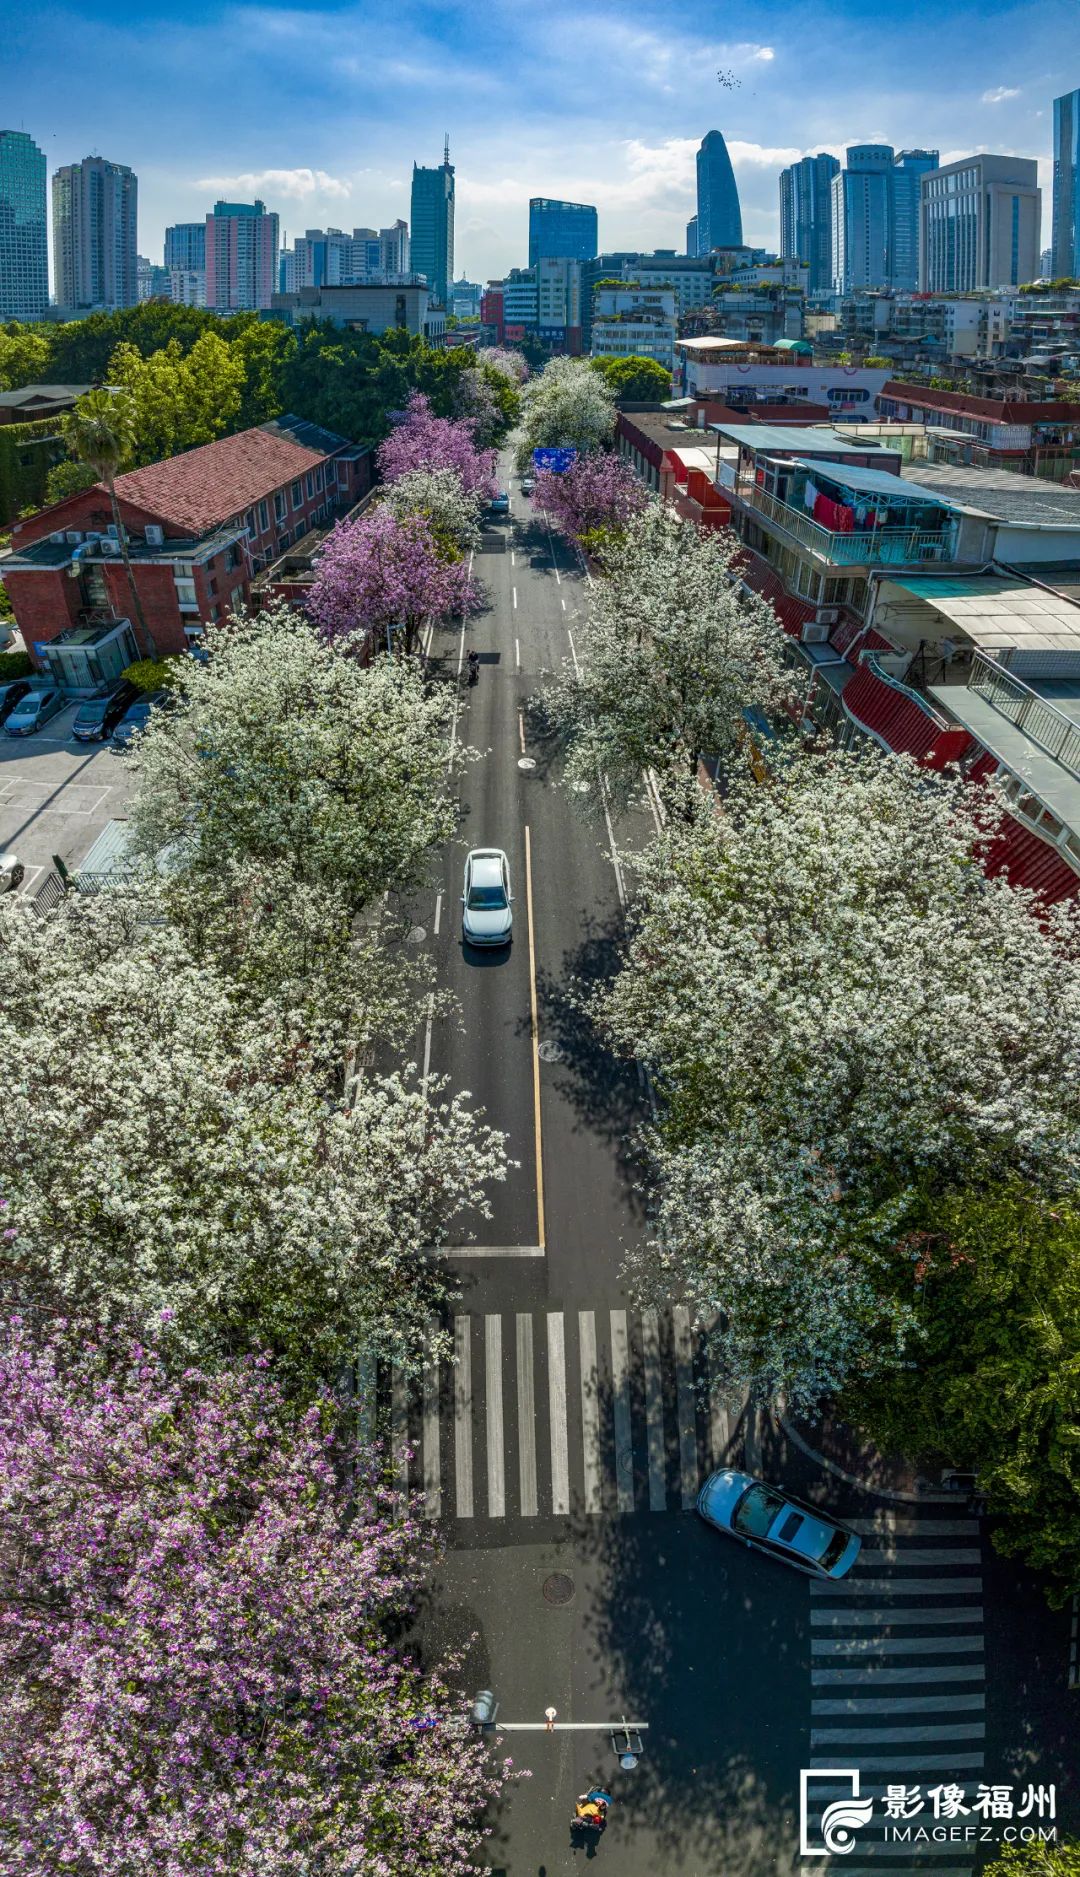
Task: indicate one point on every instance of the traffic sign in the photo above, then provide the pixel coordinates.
(558, 458)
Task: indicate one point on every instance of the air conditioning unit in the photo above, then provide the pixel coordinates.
(111, 549)
(155, 534)
(58, 540)
(827, 615)
(814, 633)
(73, 537)
(113, 531)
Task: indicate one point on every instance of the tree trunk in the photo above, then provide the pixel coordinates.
(148, 647)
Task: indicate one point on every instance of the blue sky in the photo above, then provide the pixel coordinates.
(321, 109)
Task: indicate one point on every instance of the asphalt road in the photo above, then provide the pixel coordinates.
(563, 1448)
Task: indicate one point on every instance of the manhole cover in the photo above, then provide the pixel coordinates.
(550, 1052)
(558, 1588)
(417, 935)
(526, 762)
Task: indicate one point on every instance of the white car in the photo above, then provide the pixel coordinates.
(12, 873)
(528, 484)
(771, 1521)
(486, 918)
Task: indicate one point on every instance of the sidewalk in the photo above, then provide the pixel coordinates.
(847, 1454)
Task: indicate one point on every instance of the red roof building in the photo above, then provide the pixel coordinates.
(199, 526)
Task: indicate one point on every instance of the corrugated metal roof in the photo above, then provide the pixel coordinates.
(875, 482)
(787, 437)
(1027, 860)
(1001, 615)
(895, 720)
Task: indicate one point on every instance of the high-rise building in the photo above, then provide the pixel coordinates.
(24, 249)
(719, 217)
(806, 217)
(394, 249)
(241, 257)
(979, 224)
(432, 219)
(95, 221)
(565, 231)
(1065, 238)
(154, 282)
(691, 238)
(185, 246)
(904, 207)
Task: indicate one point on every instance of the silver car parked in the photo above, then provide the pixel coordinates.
(486, 918)
(32, 711)
(771, 1521)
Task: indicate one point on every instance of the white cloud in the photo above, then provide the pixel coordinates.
(296, 184)
(1000, 93)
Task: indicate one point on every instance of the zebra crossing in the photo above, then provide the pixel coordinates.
(562, 1413)
(898, 1682)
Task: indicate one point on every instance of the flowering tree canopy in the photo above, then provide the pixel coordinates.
(424, 441)
(597, 492)
(195, 1671)
(290, 752)
(438, 495)
(839, 1008)
(384, 570)
(669, 656)
(568, 404)
(173, 1146)
(504, 359)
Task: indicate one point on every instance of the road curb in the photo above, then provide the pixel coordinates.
(895, 1494)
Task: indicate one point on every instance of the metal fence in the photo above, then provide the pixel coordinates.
(869, 547)
(1047, 726)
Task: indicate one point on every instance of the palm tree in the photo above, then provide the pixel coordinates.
(98, 432)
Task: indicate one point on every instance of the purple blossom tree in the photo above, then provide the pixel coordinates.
(195, 1671)
(385, 570)
(598, 491)
(424, 441)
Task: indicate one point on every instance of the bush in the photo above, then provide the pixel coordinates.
(152, 674)
(15, 665)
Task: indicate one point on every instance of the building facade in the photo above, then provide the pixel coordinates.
(185, 246)
(241, 257)
(719, 216)
(366, 306)
(876, 217)
(905, 198)
(24, 240)
(1065, 238)
(561, 230)
(432, 219)
(95, 235)
(691, 238)
(806, 217)
(634, 321)
(980, 225)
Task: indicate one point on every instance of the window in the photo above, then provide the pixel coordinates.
(249, 521)
(264, 517)
(309, 484)
(297, 494)
(319, 478)
(756, 1511)
(232, 558)
(185, 596)
(236, 599)
(280, 505)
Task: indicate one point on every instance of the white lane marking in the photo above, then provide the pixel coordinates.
(560, 1452)
(944, 1701)
(517, 653)
(624, 1441)
(684, 1391)
(432, 1457)
(654, 1411)
(526, 1406)
(399, 1426)
(590, 1409)
(521, 730)
(427, 1047)
(893, 1736)
(834, 1618)
(612, 847)
(485, 1251)
(562, 603)
(900, 1587)
(493, 1392)
(652, 796)
(513, 558)
(514, 591)
(463, 1469)
(438, 914)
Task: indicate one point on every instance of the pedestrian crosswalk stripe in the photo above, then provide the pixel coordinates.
(590, 1410)
(911, 1765)
(903, 1587)
(897, 1525)
(654, 1411)
(886, 1619)
(526, 1406)
(905, 1558)
(901, 1704)
(870, 1678)
(496, 1471)
(862, 1646)
(463, 1467)
(560, 1450)
(892, 1736)
(620, 1405)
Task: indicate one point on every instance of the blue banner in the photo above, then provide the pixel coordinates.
(556, 459)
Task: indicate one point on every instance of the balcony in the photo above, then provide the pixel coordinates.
(866, 547)
(1049, 728)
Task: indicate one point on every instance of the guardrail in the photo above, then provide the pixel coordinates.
(865, 547)
(1047, 726)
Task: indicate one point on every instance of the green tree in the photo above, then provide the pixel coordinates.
(997, 1384)
(638, 380)
(98, 433)
(24, 356)
(263, 349)
(68, 478)
(178, 400)
(1037, 1860)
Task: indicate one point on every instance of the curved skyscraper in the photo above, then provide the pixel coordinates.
(719, 217)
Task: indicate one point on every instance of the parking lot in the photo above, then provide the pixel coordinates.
(56, 795)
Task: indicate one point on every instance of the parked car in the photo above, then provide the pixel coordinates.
(771, 1521)
(137, 715)
(528, 484)
(486, 918)
(11, 694)
(32, 711)
(97, 717)
(12, 873)
(7, 638)
(499, 504)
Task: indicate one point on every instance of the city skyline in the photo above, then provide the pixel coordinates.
(329, 159)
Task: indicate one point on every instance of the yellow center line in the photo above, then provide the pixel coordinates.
(535, 1044)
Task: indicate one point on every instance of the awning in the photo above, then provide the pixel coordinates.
(1001, 615)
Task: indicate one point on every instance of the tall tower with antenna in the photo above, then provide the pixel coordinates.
(432, 232)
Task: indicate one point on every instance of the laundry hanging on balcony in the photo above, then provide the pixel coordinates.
(837, 517)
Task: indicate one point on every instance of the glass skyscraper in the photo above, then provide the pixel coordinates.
(1065, 240)
(806, 217)
(719, 217)
(563, 231)
(24, 250)
(432, 217)
(185, 245)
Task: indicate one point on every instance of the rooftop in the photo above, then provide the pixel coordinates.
(33, 397)
(203, 487)
(1003, 495)
(809, 439)
(998, 614)
(874, 481)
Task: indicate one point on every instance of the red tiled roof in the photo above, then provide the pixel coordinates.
(1026, 859)
(792, 613)
(901, 723)
(204, 487)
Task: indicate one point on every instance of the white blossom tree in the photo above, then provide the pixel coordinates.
(840, 1012)
(179, 1161)
(440, 495)
(568, 404)
(670, 654)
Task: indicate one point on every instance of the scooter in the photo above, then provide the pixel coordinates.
(595, 1818)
